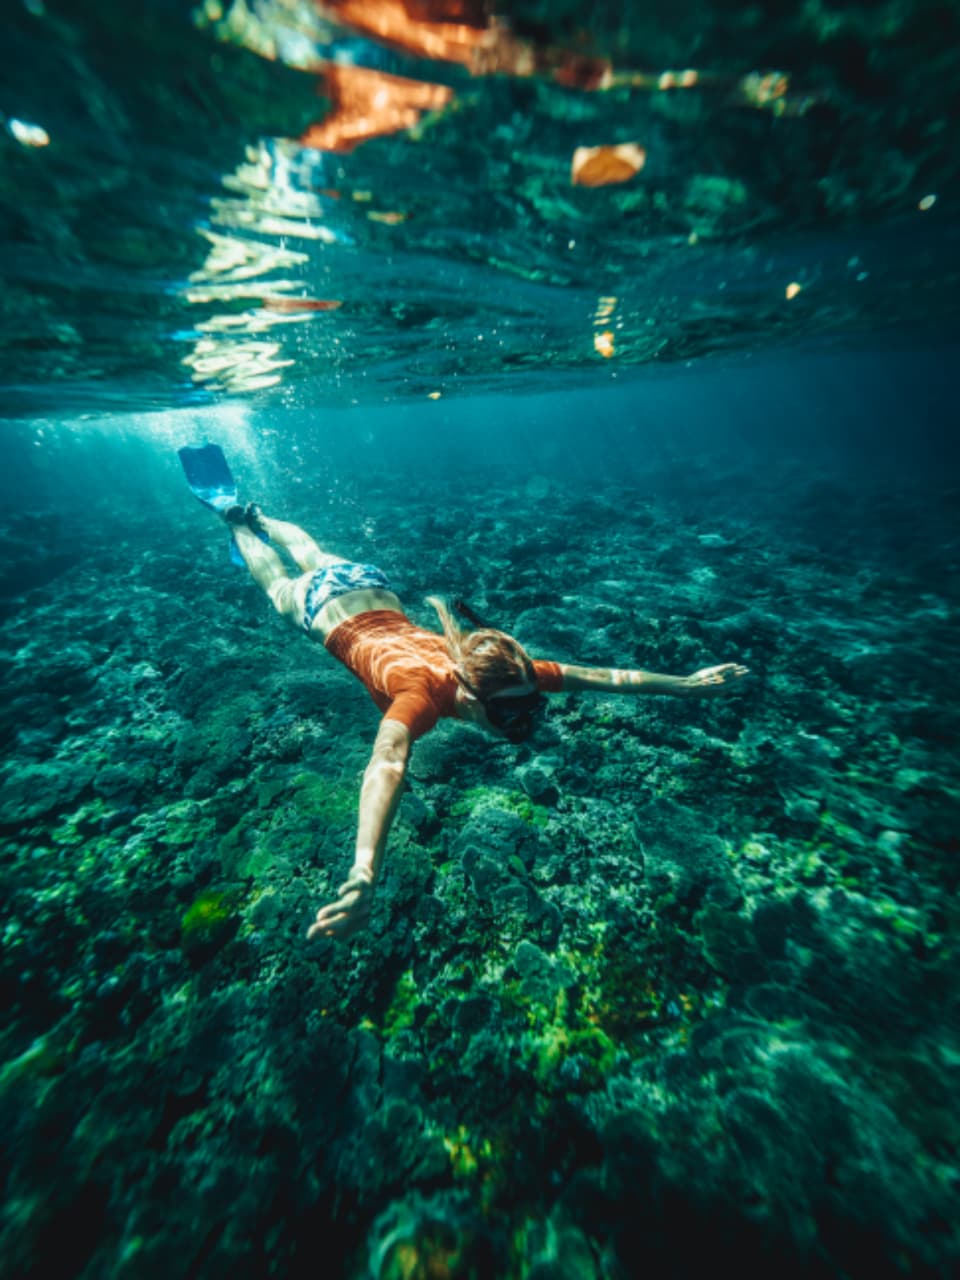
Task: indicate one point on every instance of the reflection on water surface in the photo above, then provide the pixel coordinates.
(354, 201)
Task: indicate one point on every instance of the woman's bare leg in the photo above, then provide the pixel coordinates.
(286, 594)
(303, 550)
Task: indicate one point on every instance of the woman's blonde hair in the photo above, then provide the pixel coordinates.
(489, 660)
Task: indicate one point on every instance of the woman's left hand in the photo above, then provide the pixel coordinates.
(710, 680)
(349, 913)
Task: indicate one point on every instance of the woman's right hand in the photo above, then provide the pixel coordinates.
(712, 680)
(351, 910)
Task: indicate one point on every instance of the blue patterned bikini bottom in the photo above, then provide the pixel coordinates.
(336, 580)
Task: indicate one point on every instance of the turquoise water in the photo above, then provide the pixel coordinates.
(637, 330)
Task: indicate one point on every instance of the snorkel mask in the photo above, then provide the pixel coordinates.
(515, 715)
(518, 716)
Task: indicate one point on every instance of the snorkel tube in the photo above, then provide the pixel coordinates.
(472, 616)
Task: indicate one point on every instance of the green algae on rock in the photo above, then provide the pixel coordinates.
(208, 924)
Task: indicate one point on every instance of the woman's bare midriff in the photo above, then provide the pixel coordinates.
(349, 605)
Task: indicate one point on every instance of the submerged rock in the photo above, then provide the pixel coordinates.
(680, 852)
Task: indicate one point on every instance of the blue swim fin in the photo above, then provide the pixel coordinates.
(209, 476)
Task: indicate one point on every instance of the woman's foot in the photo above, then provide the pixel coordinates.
(250, 515)
(253, 518)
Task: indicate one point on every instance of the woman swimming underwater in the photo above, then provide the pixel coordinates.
(417, 677)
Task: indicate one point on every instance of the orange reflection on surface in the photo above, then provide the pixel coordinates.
(370, 104)
(601, 166)
(389, 217)
(760, 88)
(300, 304)
(770, 91)
(447, 30)
(465, 32)
(688, 79)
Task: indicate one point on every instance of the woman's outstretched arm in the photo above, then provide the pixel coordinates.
(703, 683)
(379, 797)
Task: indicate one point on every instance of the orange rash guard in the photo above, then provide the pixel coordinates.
(407, 670)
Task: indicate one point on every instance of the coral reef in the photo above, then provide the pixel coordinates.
(673, 977)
